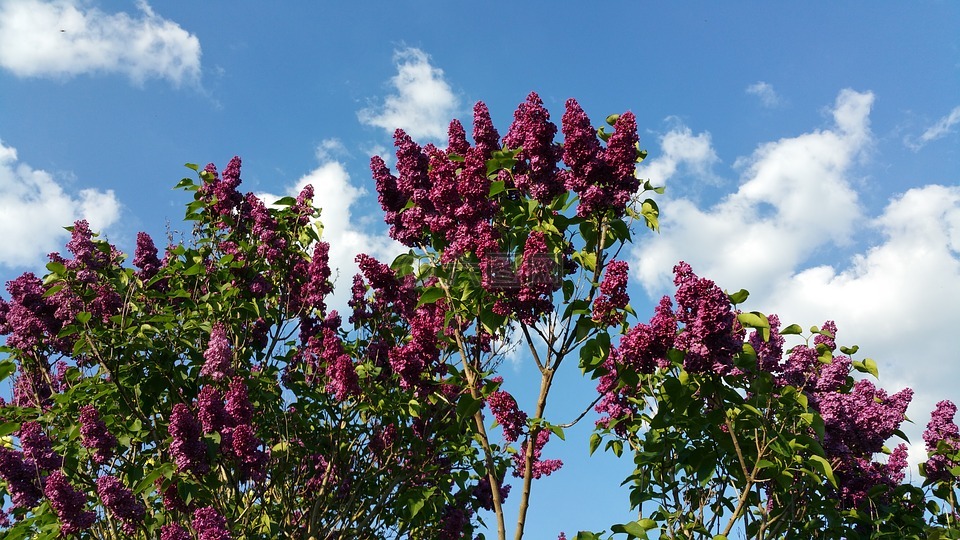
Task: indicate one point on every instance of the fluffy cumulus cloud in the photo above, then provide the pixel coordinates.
(64, 38)
(795, 205)
(794, 197)
(681, 150)
(768, 96)
(422, 103)
(347, 235)
(941, 128)
(34, 208)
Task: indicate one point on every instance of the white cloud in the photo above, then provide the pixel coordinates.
(897, 299)
(941, 128)
(64, 38)
(335, 195)
(681, 149)
(794, 197)
(423, 103)
(768, 96)
(34, 208)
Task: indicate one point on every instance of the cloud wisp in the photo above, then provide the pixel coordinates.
(64, 39)
(422, 103)
(34, 208)
(768, 96)
(938, 130)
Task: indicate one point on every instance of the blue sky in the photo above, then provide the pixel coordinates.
(811, 151)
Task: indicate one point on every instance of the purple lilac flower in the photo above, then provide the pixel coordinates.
(613, 298)
(172, 531)
(36, 447)
(245, 448)
(187, 449)
(68, 503)
(95, 435)
(770, 352)
(532, 131)
(485, 137)
(507, 413)
(541, 467)
(21, 478)
(121, 502)
(210, 525)
(457, 138)
(218, 356)
(453, 522)
(210, 410)
(238, 405)
(710, 336)
(941, 428)
(145, 257)
(484, 494)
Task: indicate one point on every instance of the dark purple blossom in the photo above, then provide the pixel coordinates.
(121, 502)
(145, 257)
(68, 503)
(173, 531)
(210, 525)
(21, 478)
(187, 449)
(539, 467)
(210, 410)
(711, 335)
(941, 431)
(95, 435)
(613, 298)
(37, 448)
(507, 413)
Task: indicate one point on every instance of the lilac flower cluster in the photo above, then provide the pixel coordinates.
(68, 503)
(218, 357)
(173, 531)
(145, 257)
(540, 467)
(95, 435)
(641, 350)
(605, 179)
(187, 449)
(613, 298)
(210, 525)
(532, 131)
(483, 493)
(711, 335)
(37, 447)
(221, 193)
(121, 502)
(23, 483)
(941, 430)
(231, 417)
(507, 413)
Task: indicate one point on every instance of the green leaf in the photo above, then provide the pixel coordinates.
(192, 166)
(285, 201)
(595, 441)
(738, 297)
(850, 350)
(497, 187)
(793, 329)
(633, 528)
(651, 213)
(822, 465)
(7, 367)
(84, 317)
(871, 367)
(755, 319)
(467, 406)
(431, 295)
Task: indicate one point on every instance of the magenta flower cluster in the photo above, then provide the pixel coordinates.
(231, 416)
(941, 432)
(613, 298)
(69, 503)
(95, 435)
(218, 357)
(121, 502)
(507, 413)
